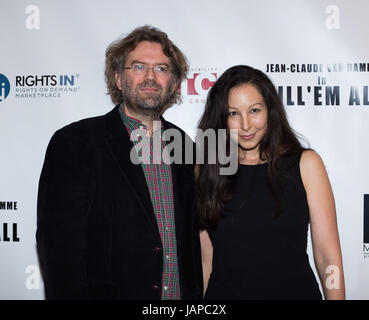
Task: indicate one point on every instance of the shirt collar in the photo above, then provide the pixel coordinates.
(133, 123)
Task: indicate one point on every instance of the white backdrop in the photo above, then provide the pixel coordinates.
(52, 73)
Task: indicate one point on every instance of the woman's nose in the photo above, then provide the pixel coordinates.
(245, 123)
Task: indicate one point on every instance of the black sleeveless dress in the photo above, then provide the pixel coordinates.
(258, 254)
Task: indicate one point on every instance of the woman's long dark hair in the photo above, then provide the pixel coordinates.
(213, 189)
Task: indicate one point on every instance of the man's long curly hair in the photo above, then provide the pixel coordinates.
(117, 53)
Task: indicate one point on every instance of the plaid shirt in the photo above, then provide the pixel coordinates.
(159, 181)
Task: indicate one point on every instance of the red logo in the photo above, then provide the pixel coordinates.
(199, 84)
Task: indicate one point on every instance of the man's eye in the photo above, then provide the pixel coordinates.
(161, 68)
(138, 67)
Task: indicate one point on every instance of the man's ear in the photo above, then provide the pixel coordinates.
(118, 80)
(179, 88)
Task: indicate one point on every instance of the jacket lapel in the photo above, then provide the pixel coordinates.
(120, 146)
(180, 176)
(177, 198)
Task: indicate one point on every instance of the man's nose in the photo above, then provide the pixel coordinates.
(150, 74)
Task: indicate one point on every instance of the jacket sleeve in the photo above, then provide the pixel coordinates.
(62, 220)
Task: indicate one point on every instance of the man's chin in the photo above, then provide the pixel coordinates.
(149, 105)
(153, 110)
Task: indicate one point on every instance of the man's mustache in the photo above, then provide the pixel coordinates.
(149, 84)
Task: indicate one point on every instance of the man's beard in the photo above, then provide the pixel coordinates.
(148, 104)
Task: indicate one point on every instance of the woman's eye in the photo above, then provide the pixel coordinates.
(254, 110)
(232, 113)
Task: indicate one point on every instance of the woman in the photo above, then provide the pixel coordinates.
(254, 223)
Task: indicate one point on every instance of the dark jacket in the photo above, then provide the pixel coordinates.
(97, 235)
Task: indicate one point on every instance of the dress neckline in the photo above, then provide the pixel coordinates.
(252, 165)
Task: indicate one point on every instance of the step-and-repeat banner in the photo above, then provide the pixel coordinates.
(52, 73)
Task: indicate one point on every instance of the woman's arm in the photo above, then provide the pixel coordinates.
(206, 256)
(323, 225)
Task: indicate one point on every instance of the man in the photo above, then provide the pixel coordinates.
(109, 228)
